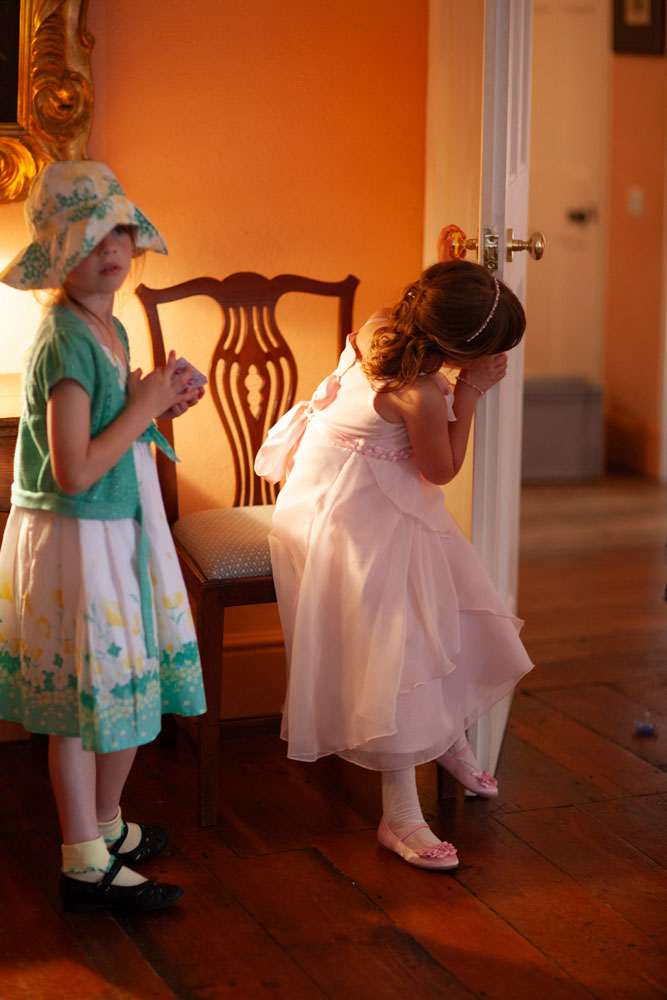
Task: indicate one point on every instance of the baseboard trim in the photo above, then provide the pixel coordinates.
(266, 639)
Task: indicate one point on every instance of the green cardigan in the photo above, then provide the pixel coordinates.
(65, 348)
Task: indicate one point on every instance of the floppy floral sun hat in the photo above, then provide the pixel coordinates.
(71, 207)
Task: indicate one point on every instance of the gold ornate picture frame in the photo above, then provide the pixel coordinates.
(54, 106)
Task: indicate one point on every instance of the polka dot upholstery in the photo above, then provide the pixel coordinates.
(228, 543)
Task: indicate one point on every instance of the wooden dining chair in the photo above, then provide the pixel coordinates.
(224, 553)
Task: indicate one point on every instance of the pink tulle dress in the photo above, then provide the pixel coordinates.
(396, 638)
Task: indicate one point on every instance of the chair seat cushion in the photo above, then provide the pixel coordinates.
(229, 542)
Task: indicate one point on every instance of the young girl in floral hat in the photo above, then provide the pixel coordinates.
(96, 641)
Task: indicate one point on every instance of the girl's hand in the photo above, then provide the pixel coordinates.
(486, 371)
(79, 460)
(189, 398)
(158, 391)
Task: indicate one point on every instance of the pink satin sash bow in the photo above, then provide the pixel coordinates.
(276, 456)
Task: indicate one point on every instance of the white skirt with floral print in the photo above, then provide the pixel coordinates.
(73, 657)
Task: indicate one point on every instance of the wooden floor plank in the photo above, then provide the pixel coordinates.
(209, 946)
(35, 843)
(641, 821)
(649, 692)
(611, 515)
(337, 934)
(612, 714)
(641, 660)
(39, 956)
(302, 904)
(597, 623)
(599, 860)
(172, 953)
(253, 818)
(108, 949)
(575, 582)
(558, 893)
(358, 787)
(225, 943)
(453, 925)
(611, 768)
(597, 947)
(529, 779)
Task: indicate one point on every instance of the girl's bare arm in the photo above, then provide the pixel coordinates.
(439, 445)
(423, 410)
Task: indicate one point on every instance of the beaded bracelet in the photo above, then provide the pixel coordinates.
(471, 384)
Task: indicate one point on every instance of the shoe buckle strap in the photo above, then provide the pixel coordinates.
(107, 880)
(413, 829)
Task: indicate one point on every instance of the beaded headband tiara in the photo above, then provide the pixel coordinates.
(489, 317)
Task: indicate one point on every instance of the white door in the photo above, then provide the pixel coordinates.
(479, 68)
(504, 206)
(493, 41)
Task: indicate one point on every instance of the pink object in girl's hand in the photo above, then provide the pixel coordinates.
(196, 377)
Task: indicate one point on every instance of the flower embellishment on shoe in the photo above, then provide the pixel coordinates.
(485, 778)
(461, 763)
(436, 852)
(436, 857)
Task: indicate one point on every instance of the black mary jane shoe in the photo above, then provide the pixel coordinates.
(84, 897)
(153, 840)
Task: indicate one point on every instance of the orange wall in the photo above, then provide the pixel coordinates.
(635, 283)
(268, 135)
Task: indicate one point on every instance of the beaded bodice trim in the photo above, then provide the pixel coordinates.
(360, 445)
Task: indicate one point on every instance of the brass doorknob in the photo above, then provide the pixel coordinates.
(535, 245)
(453, 244)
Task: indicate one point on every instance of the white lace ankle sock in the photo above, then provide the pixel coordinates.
(89, 861)
(401, 809)
(112, 829)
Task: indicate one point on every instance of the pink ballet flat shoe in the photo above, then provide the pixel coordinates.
(480, 782)
(437, 857)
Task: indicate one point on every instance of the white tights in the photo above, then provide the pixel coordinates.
(401, 808)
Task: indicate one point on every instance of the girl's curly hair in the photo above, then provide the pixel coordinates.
(439, 318)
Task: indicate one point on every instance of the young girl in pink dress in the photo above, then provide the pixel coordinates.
(396, 638)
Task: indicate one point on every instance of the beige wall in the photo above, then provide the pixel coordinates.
(596, 303)
(637, 254)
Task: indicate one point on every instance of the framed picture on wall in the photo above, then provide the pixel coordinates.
(639, 26)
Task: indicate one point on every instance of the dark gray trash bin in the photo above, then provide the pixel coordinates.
(563, 429)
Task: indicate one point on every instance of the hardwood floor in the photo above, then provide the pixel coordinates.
(561, 892)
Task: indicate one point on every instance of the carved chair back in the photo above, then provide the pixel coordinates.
(252, 373)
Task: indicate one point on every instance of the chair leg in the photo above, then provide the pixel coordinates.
(211, 632)
(209, 751)
(169, 732)
(447, 786)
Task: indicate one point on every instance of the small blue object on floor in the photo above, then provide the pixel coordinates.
(645, 728)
